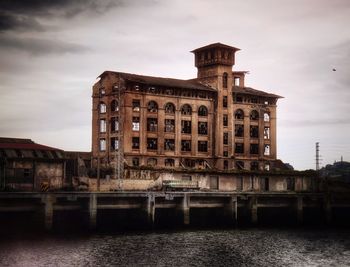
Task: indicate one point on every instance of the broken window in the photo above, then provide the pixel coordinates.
(169, 126)
(185, 145)
(266, 150)
(103, 126)
(266, 132)
(152, 124)
(186, 127)
(169, 144)
(114, 105)
(225, 120)
(239, 115)
(135, 143)
(152, 106)
(169, 162)
(102, 144)
(186, 110)
(114, 124)
(239, 130)
(136, 105)
(135, 123)
(266, 117)
(225, 140)
(202, 146)
(225, 164)
(266, 166)
(239, 165)
(114, 143)
(237, 80)
(254, 115)
(202, 128)
(169, 108)
(135, 162)
(202, 111)
(224, 80)
(254, 131)
(189, 163)
(225, 153)
(152, 143)
(103, 107)
(151, 162)
(224, 101)
(290, 183)
(254, 148)
(239, 148)
(254, 166)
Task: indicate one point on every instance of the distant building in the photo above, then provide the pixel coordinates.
(213, 121)
(27, 166)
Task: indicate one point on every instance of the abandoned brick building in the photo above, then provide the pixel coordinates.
(212, 121)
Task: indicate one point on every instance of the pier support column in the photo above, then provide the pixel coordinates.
(48, 200)
(186, 208)
(231, 210)
(300, 207)
(93, 211)
(327, 207)
(254, 210)
(151, 209)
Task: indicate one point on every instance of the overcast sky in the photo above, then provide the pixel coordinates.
(52, 51)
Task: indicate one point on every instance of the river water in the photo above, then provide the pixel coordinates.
(238, 247)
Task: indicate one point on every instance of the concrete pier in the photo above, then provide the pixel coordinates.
(179, 204)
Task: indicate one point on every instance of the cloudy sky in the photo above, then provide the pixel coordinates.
(52, 51)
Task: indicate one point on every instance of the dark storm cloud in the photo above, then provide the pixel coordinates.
(39, 46)
(26, 14)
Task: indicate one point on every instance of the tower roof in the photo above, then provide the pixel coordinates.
(215, 45)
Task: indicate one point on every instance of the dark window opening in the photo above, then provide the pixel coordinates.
(202, 146)
(224, 80)
(151, 162)
(135, 143)
(254, 131)
(225, 153)
(225, 140)
(114, 143)
(239, 130)
(135, 162)
(186, 110)
(239, 115)
(239, 148)
(152, 124)
(290, 183)
(225, 165)
(264, 183)
(254, 115)
(254, 148)
(169, 108)
(202, 111)
(152, 144)
(136, 105)
(239, 165)
(169, 162)
(114, 105)
(254, 166)
(169, 144)
(185, 145)
(202, 128)
(224, 101)
(169, 126)
(114, 124)
(189, 163)
(225, 120)
(186, 127)
(152, 107)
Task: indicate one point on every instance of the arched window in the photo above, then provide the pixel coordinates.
(186, 110)
(152, 106)
(254, 166)
(103, 107)
(152, 162)
(169, 108)
(224, 80)
(239, 114)
(202, 111)
(254, 115)
(266, 116)
(114, 105)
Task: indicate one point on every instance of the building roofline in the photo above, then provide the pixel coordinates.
(215, 45)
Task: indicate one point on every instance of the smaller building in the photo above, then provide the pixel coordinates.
(28, 166)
